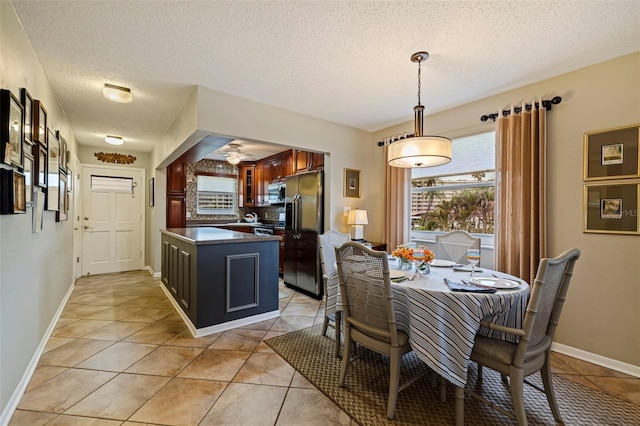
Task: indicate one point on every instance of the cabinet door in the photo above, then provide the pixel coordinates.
(246, 186)
(174, 269)
(165, 273)
(176, 178)
(317, 160)
(184, 277)
(176, 211)
(260, 185)
(301, 163)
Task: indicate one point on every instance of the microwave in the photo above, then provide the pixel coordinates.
(276, 193)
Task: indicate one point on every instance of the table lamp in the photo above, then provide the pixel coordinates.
(356, 219)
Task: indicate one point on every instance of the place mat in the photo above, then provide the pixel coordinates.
(364, 398)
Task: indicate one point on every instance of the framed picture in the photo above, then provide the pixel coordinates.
(63, 212)
(611, 208)
(151, 192)
(11, 129)
(38, 210)
(39, 126)
(70, 183)
(40, 163)
(12, 192)
(612, 153)
(53, 172)
(352, 183)
(64, 160)
(28, 175)
(27, 105)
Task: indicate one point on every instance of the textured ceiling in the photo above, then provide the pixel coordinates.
(343, 61)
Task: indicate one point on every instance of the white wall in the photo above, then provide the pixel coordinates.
(602, 313)
(35, 268)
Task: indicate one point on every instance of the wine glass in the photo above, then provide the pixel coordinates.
(418, 257)
(473, 256)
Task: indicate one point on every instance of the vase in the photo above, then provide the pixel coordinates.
(405, 265)
(423, 268)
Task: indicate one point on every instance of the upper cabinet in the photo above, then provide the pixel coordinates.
(176, 195)
(305, 161)
(177, 178)
(247, 185)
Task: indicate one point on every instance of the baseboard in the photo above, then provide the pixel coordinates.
(612, 364)
(153, 274)
(11, 406)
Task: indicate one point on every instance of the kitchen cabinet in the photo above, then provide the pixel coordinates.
(261, 182)
(238, 228)
(176, 215)
(178, 269)
(246, 186)
(305, 161)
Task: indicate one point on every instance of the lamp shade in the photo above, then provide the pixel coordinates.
(420, 151)
(357, 217)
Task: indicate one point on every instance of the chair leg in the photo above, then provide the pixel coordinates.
(346, 356)
(443, 390)
(338, 326)
(545, 371)
(516, 383)
(325, 324)
(395, 358)
(459, 406)
(479, 372)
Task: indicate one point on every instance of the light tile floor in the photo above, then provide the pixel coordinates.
(121, 355)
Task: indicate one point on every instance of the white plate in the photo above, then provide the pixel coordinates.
(442, 263)
(500, 283)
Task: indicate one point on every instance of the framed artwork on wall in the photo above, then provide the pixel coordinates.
(151, 191)
(612, 153)
(11, 129)
(40, 164)
(611, 208)
(63, 211)
(38, 210)
(39, 126)
(53, 172)
(27, 105)
(351, 183)
(28, 175)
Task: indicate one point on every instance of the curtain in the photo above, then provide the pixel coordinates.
(397, 197)
(521, 231)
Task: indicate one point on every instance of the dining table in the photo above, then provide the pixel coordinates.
(442, 324)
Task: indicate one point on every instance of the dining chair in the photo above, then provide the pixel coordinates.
(532, 352)
(369, 318)
(454, 245)
(327, 243)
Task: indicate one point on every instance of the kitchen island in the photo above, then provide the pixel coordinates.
(220, 279)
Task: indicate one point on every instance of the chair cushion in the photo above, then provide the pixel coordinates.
(495, 349)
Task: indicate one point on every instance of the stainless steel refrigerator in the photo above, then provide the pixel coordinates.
(303, 224)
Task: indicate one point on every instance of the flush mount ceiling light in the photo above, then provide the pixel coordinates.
(117, 93)
(233, 154)
(114, 140)
(419, 150)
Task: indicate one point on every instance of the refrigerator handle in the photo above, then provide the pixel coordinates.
(296, 216)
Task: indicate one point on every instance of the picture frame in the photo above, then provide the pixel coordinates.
(63, 212)
(64, 160)
(70, 183)
(53, 172)
(29, 168)
(151, 192)
(11, 129)
(352, 183)
(27, 105)
(611, 208)
(12, 187)
(612, 153)
(39, 129)
(40, 166)
(38, 211)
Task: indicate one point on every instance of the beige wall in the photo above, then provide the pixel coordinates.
(602, 313)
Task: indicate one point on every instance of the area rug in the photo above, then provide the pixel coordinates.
(364, 398)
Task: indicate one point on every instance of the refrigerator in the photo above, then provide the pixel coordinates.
(303, 223)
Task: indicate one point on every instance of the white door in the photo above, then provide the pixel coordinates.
(112, 205)
(76, 215)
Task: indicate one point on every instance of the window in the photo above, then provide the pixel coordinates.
(458, 195)
(215, 195)
(108, 183)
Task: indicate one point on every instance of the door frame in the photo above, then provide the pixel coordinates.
(142, 198)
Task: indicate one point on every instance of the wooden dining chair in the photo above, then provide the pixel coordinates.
(454, 245)
(532, 352)
(369, 318)
(327, 243)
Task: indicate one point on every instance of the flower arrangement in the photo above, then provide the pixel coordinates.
(403, 253)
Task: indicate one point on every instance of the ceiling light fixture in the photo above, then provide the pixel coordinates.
(233, 154)
(234, 158)
(114, 140)
(117, 93)
(419, 150)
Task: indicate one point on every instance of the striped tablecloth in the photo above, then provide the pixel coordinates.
(442, 324)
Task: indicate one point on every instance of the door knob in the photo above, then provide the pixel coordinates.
(86, 218)
(88, 227)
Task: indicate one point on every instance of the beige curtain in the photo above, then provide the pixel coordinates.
(397, 197)
(521, 230)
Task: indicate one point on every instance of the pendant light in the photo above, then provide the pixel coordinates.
(419, 150)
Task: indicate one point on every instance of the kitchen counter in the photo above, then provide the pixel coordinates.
(219, 279)
(212, 235)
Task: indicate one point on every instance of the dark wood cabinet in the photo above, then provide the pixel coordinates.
(261, 185)
(176, 195)
(305, 161)
(176, 211)
(177, 178)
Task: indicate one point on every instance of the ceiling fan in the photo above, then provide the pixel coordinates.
(233, 154)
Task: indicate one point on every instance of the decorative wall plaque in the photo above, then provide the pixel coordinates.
(115, 158)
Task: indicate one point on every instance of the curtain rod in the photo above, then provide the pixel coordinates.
(545, 103)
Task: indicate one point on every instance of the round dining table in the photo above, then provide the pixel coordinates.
(442, 324)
